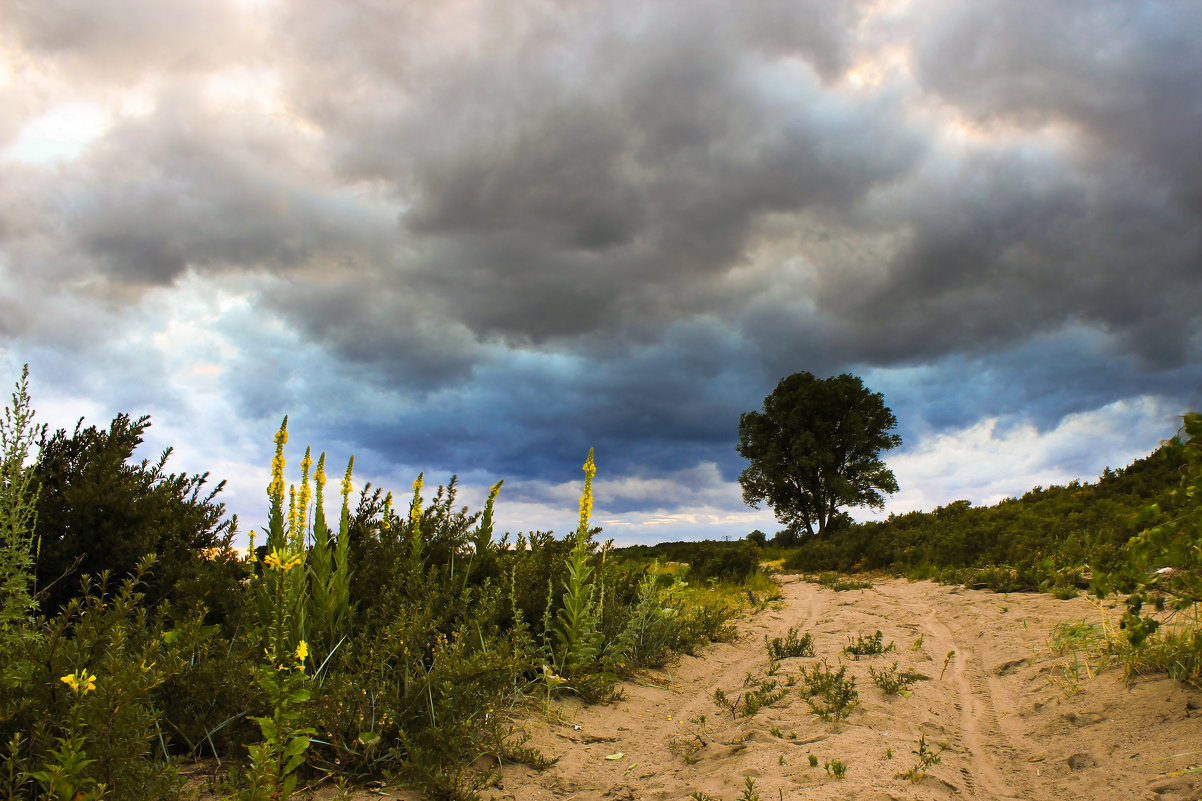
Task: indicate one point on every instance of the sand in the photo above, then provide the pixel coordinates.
(1017, 721)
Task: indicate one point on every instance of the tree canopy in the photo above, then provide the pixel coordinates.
(816, 447)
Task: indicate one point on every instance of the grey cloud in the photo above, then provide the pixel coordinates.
(125, 38)
(1124, 74)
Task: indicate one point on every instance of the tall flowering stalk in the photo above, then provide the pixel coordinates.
(416, 544)
(577, 636)
(275, 760)
(18, 515)
(328, 607)
(281, 593)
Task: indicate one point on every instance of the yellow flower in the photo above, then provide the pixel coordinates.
(282, 561)
(302, 651)
(386, 522)
(80, 681)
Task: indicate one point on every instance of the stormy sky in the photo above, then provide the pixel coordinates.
(479, 238)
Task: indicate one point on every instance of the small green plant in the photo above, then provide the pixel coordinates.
(688, 747)
(813, 760)
(776, 732)
(724, 701)
(870, 645)
(749, 793)
(768, 693)
(926, 758)
(888, 753)
(789, 646)
(836, 691)
(836, 768)
(892, 681)
(917, 646)
(697, 795)
(65, 776)
(950, 656)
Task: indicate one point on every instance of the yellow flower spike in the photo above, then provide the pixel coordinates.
(302, 651)
(387, 522)
(276, 487)
(305, 495)
(346, 480)
(292, 513)
(586, 498)
(319, 480)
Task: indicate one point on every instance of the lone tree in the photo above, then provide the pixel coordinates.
(815, 447)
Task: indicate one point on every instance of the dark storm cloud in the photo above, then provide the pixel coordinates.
(488, 238)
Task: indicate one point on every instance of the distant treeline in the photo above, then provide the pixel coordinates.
(1049, 539)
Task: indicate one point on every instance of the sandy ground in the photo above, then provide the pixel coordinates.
(1014, 719)
(1015, 722)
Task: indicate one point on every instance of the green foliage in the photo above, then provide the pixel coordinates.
(789, 645)
(96, 512)
(835, 691)
(836, 768)
(868, 645)
(926, 759)
(1162, 574)
(815, 447)
(1043, 540)
(108, 734)
(893, 681)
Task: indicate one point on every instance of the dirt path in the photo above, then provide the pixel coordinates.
(1015, 722)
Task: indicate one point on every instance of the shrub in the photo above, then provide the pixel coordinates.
(789, 646)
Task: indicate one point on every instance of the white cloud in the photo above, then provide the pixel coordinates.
(992, 460)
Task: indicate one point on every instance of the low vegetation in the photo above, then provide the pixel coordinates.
(357, 639)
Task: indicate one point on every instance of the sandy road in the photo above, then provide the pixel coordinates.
(1013, 726)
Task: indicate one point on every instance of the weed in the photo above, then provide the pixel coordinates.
(893, 681)
(917, 646)
(768, 693)
(926, 758)
(950, 656)
(724, 702)
(749, 793)
(888, 753)
(688, 747)
(789, 645)
(836, 768)
(813, 760)
(870, 645)
(835, 689)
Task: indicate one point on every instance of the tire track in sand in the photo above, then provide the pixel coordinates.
(978, 715)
